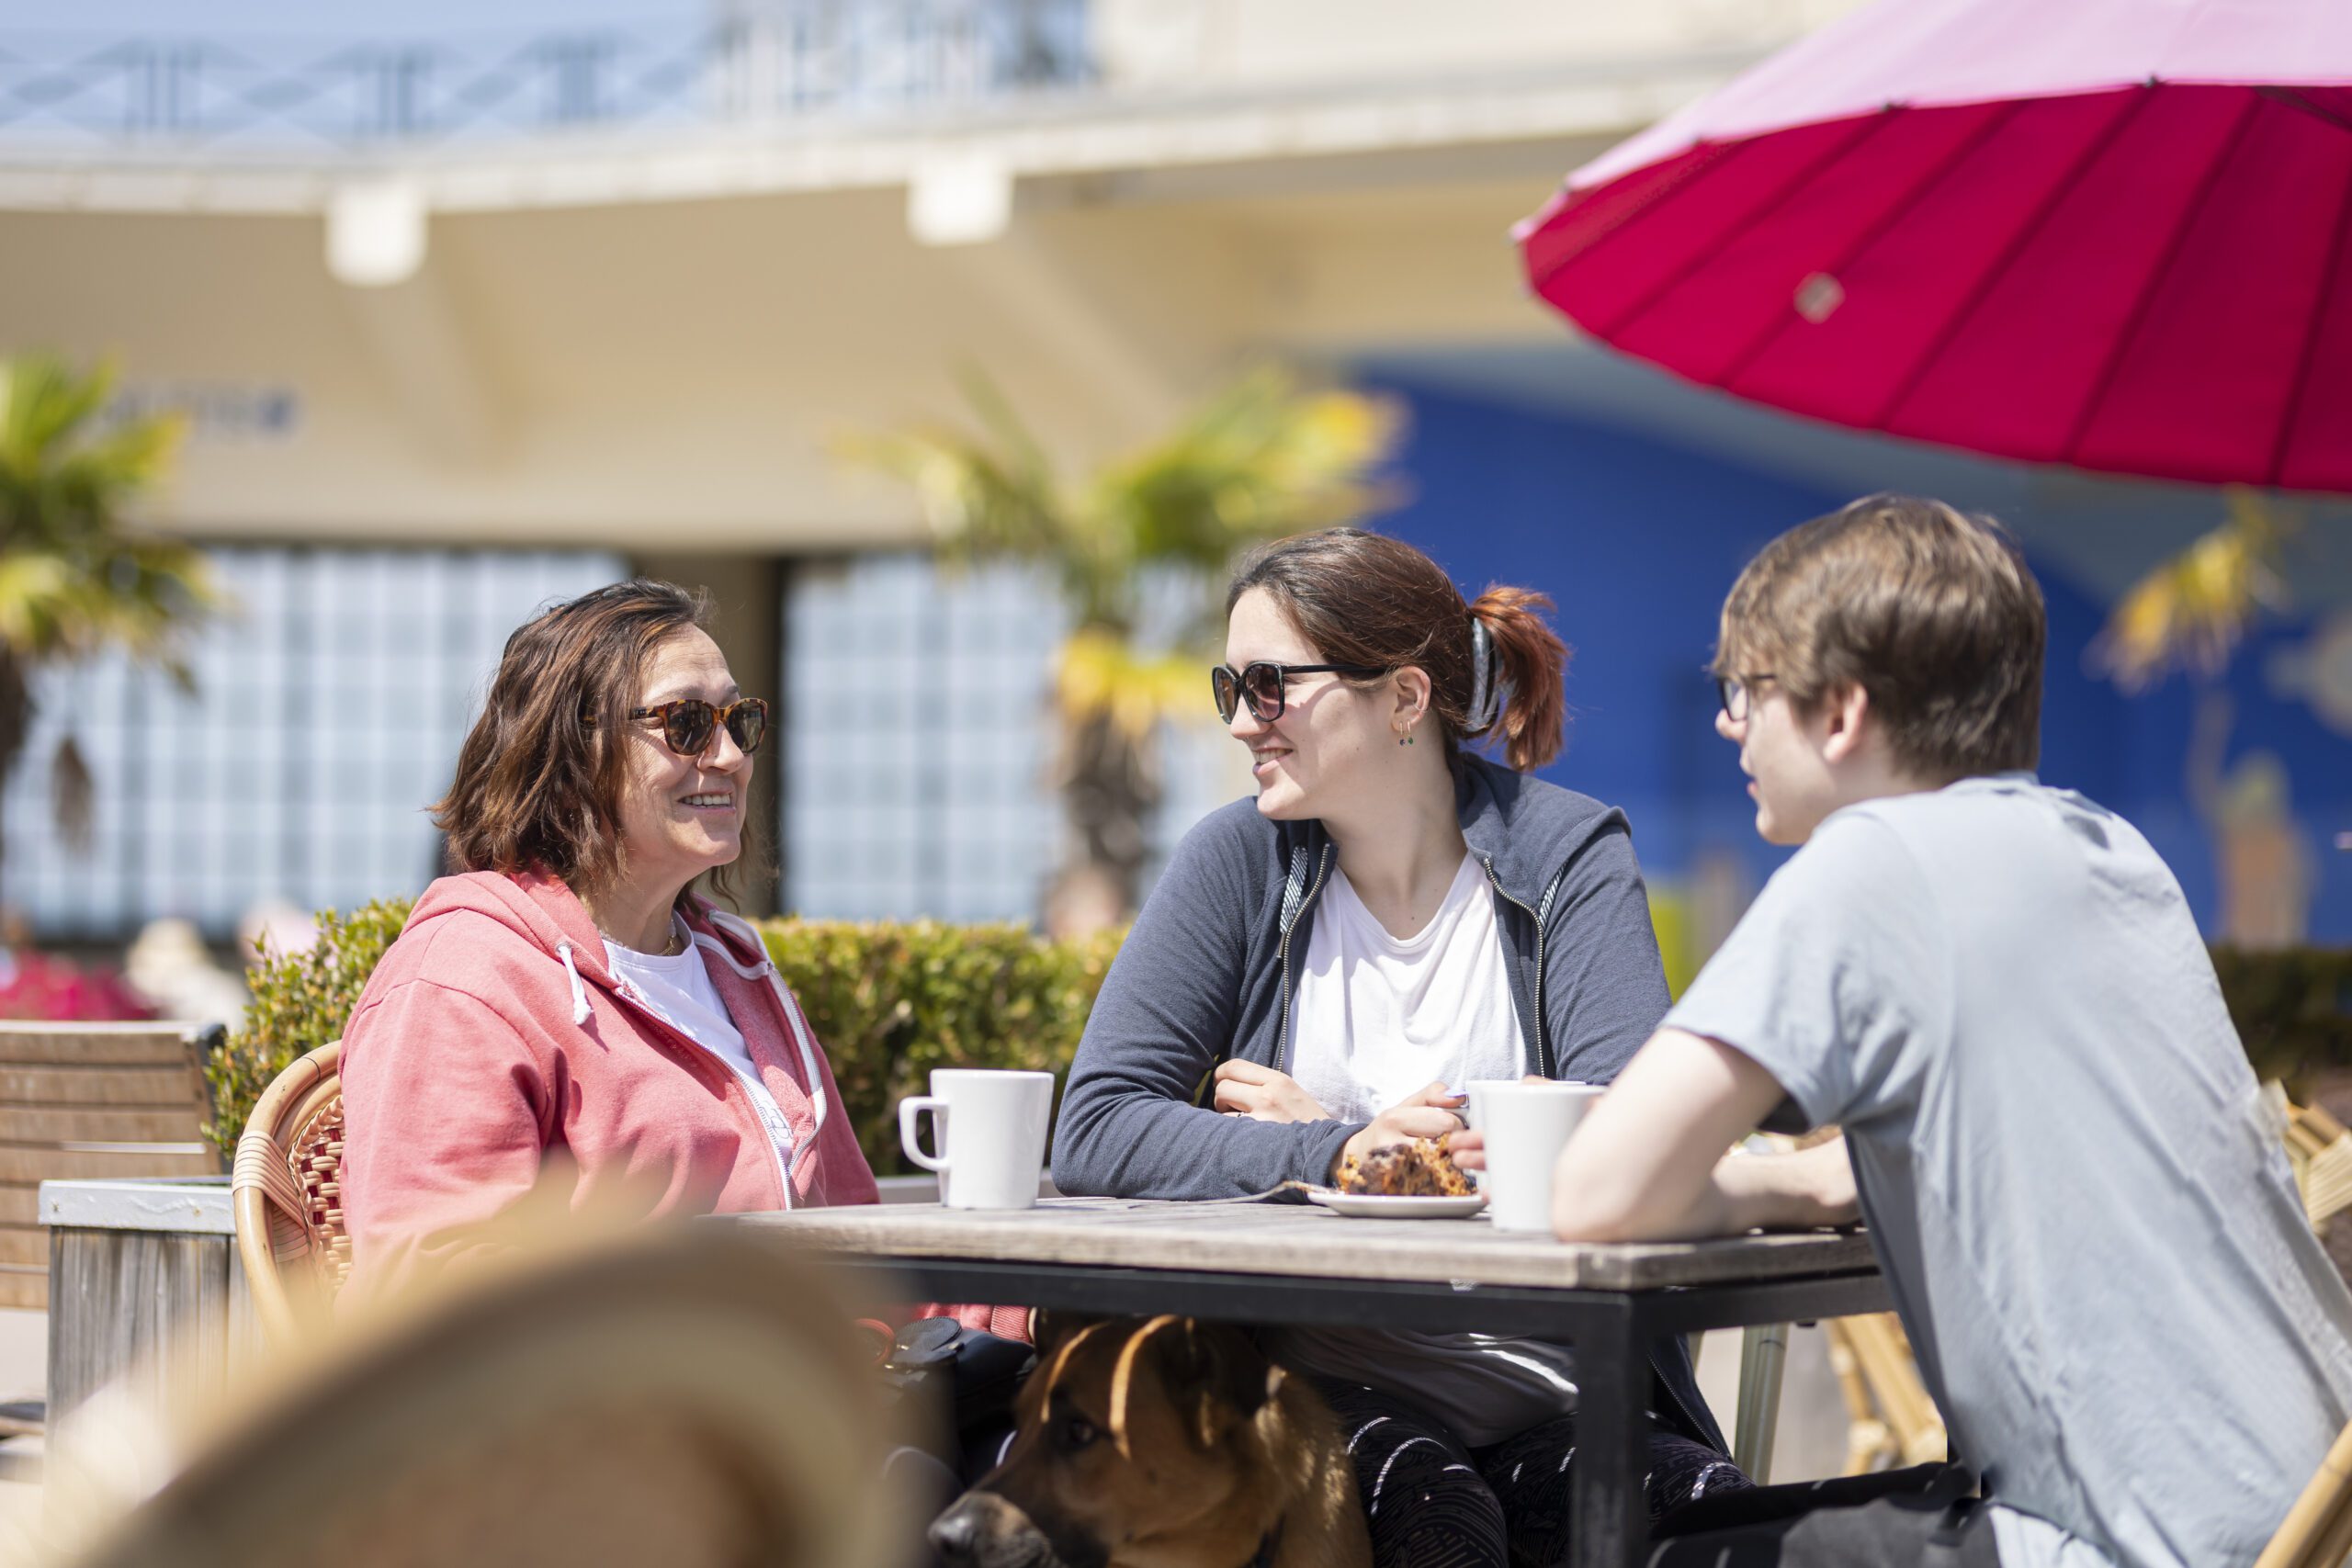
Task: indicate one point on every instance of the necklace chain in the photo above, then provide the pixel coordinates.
(672, 946)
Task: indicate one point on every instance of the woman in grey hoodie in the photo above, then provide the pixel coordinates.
(1391, 918)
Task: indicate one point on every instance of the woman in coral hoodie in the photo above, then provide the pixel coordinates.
(567, 1009)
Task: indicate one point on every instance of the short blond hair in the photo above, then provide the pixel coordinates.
(1931, 612)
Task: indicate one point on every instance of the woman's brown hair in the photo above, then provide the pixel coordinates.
(1363, 598)
(539, 778)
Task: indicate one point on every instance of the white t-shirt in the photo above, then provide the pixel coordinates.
(1376, 1018)
(676, 989)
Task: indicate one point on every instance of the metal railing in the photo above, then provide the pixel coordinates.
(763, 59)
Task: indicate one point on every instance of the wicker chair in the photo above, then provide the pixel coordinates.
(1892, 1419)
(2318, 1529)
(2320, 1151)
(286, 1193)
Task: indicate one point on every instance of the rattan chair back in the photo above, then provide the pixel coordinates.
(2318, 1529)
(2320, 1151)
(286, 1194)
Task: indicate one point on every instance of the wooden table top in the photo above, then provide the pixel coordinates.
(1303, 1240)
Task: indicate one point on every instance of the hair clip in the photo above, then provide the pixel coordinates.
(1485, 691)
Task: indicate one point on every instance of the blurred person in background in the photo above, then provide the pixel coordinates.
(169, 965)
(275, 928)
(1391, 915)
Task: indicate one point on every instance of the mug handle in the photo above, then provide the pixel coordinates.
(909, 1109)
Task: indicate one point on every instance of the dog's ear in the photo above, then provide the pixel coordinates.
(1214, 1373)
(1049, 1326)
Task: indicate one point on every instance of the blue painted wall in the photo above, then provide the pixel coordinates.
(1639, 538)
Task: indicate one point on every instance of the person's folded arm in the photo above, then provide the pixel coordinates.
(1167, 1013)
(1648, 1162)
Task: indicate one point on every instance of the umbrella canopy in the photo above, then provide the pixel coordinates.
(2113, 233)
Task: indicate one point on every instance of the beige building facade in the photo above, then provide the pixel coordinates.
(645, 335)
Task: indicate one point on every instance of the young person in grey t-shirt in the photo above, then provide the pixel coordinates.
(1997, 989)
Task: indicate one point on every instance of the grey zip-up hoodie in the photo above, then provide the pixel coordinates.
(1210, 971)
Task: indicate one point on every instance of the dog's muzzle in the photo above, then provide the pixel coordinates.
(983, 1531)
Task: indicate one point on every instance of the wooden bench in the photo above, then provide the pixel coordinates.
(90, 1099)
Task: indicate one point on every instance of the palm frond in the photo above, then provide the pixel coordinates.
(54, 605)
(1262, 459)
(1101, 674)
(975, 504)
(42, 402)
(2191, 611)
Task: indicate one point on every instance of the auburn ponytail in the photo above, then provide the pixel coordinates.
(1531, 663)
(1365, 599)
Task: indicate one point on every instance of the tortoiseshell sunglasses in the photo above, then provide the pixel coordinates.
(688, 723)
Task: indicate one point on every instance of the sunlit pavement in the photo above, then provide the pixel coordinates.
(23, 1374)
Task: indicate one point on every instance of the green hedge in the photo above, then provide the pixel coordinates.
(889, 1001)
(2292, 1007)
(300, 1003)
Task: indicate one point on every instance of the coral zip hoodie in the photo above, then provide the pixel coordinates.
(493, 1036)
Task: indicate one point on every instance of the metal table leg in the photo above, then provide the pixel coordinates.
(1763, 1349)
(1609, 1518)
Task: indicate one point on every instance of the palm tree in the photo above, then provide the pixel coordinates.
(74, 576)
(1262, 459)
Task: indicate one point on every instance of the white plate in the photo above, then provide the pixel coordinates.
(1371, 1206)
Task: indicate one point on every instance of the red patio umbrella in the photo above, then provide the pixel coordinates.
(2112, 233)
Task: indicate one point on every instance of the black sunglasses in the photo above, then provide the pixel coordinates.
(688, 723)
(1263, 685)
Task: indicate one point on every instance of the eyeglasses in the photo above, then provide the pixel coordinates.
(1263, 685)
(1732, 691)
(688, 724)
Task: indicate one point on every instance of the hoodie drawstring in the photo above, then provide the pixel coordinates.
(802, 1036)
(579, 992)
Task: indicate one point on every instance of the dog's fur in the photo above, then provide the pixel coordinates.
(1161, 1443)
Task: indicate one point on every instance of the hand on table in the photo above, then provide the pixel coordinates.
(1811, 1187)
(1820, 1183)
(1246, 1088)
(1428, 1112)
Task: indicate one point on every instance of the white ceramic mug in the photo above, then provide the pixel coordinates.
(990, 1128)
(1526, 1126)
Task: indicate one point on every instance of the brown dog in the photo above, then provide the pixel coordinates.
(1161, 1443)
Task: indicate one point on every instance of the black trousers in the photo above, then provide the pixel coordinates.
(1431, 1502)
(1891, 1531)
